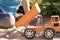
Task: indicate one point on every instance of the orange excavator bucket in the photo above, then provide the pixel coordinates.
(24, 21)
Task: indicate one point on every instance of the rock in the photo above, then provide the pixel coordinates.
(6, 20)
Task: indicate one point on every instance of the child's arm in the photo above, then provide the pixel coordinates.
(25, 4)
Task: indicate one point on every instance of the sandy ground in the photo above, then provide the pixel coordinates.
(12, 34)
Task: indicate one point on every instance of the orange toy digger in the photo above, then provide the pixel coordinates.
(49, 29)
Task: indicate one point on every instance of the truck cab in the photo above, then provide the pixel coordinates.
(55, 20)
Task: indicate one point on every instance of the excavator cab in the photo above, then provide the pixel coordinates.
(55, 20)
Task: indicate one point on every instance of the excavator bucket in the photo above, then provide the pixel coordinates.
(24, 21)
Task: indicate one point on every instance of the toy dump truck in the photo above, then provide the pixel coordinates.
(49, 29)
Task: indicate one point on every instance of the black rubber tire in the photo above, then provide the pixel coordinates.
(47, 35)
(31, 36)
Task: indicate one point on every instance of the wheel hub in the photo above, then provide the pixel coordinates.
(49, 33)
(29, 33)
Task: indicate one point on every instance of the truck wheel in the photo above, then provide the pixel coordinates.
(49, 33)
(29, 33)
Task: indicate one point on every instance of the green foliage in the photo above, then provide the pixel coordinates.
(49, 7)
(32, 2)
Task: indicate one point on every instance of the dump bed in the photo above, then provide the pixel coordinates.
(29, 16)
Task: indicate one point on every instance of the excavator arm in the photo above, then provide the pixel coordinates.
(24, 21)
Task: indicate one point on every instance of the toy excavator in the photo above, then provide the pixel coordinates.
(48, 30)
